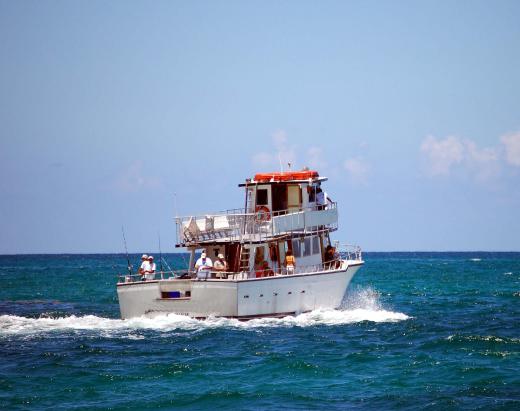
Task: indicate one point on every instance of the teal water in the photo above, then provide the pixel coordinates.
(416, 331)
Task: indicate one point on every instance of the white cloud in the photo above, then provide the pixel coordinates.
(445, 155)
(511, 143)
(483, 162)
(316, 159)
(132, 179)
(357, 169)
(283, 153)
(263, 160)
(442, 154)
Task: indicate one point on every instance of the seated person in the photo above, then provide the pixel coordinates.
(267, 270)
(263, 270)
(203, 266)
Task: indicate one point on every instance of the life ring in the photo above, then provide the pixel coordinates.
(262, 214)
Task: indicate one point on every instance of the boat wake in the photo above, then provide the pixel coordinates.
(361, 305)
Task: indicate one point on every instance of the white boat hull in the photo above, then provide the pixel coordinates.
(244, 299)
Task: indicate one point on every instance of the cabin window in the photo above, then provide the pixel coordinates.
(312, 193)
(279, 197)
(261, 196)
(296, 248)
(294, 197)
(307, 250)
(315, 245)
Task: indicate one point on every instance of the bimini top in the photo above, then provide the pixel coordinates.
(284, 177)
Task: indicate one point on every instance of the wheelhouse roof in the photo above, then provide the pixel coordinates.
(284, 177)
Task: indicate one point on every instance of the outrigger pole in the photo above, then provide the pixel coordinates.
(129, 266)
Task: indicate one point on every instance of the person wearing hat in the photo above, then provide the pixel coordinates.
(150, 273)
(220, 265)
(203, 266)
(145, 265)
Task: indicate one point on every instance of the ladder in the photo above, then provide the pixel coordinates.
(244, 259)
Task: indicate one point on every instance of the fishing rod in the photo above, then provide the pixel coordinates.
(167, 266)
(129, 266)
(161, 259)
(160, 252)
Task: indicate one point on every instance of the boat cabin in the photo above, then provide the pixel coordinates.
(282, 193)
(284, 212)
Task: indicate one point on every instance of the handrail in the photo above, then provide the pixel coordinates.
(242, 212)
(352, 252)
(249, 226)
(160, 275)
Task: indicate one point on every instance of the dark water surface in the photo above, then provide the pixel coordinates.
(417, 331)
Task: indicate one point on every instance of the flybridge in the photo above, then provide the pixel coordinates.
(235, 225)
(292, 206)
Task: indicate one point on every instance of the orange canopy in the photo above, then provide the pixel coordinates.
(286, 176)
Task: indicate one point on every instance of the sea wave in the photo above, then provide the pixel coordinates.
(362, 305)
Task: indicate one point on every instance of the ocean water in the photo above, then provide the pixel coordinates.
(432, 331)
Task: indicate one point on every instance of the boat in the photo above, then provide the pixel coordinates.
(284, 213)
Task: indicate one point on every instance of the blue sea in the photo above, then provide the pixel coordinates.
(416, 331)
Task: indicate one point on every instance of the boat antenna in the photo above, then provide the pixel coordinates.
(280, 161)
(129, 266)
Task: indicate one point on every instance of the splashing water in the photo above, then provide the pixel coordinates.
(361, 305)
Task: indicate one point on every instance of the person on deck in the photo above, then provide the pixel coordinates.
(265, 270)
(336, 258)
(150, 273)
(220, 265)
(328, 257)
(290, 262)
(203, 266)
(321, 199)
(145, 266)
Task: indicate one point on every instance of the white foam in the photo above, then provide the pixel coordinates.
(362, 305)
(475, 259)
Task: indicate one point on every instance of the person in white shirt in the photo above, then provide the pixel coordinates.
(145, 265)
(150, 273)
(203, 266)
(321, 199)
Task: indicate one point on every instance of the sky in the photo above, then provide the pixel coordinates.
(128, 113)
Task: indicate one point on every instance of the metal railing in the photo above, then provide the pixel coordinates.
(237, 225)
(161, 275)
(345, 253)
(350, 252)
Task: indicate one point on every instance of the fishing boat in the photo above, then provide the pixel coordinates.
(285, 213)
